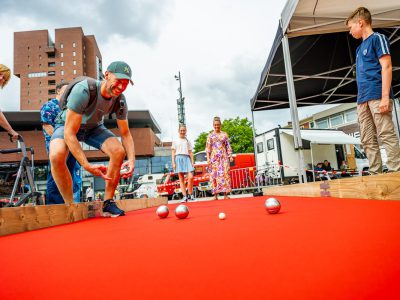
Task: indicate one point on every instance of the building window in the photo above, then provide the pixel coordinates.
(336, 120)
(350, 116)
(40, 57)
(51, 73)
(62, 54)
(51, 82)
(73, 53)
(260, 147)
(61, 45)
(74, 62)
(39, 74)
(98, 68)
(51, 55)
(322, 124)
(52, 92)
(74, 72)
(62, 64)
(62, 72)
(52, 64)
(270, 144)
(74, 45)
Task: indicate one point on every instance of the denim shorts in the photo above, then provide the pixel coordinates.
(94, 137)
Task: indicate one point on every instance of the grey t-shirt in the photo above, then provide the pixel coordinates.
(93, 114)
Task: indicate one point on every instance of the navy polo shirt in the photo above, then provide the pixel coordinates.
(368, 68)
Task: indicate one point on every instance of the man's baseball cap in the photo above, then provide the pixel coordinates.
(121, 70)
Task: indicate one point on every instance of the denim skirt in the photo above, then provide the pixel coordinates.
(183, 164)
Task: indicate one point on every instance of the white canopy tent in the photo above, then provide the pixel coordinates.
(324, 137)
(327, 137)
(330, 79)
(308, 17)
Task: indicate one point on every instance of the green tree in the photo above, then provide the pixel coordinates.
(240, 135)
(200, 142)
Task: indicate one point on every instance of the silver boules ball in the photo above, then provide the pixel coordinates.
(181, 211)
(272, 205)
(162, 211)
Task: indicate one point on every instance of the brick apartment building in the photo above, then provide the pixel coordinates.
(41, 63)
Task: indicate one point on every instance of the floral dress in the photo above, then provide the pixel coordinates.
(219, 149)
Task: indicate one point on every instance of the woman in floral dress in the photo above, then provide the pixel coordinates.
(219, 154)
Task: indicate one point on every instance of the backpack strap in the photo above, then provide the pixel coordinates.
(118, 107)
(92, 90)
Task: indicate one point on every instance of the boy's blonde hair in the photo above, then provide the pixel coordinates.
(360, 13)
(6, 73)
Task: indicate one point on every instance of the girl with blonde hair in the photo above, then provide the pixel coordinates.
(5, 75)
(183, 162)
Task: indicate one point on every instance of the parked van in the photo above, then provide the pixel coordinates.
(150, 178)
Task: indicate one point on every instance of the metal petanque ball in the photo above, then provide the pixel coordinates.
(162, 211)
(181, 211)
(272, 205)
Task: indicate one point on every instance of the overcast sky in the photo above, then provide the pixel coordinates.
(219, 46)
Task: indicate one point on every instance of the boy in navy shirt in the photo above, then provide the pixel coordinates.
(374, 104)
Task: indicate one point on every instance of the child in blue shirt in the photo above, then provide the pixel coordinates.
(374, 98)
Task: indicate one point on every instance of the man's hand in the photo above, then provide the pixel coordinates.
(97, 170)
(127, 168)
(384, 105)
(13, 135)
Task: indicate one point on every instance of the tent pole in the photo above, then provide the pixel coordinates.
(254, 147)
(396, 115)
(312, 163)
(293, 109)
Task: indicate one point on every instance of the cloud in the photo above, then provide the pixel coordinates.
(138, 19)
(220, 47)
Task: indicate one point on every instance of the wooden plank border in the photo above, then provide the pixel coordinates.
(376, 187)
(21, 219)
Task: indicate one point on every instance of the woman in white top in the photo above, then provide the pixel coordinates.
(182, 162)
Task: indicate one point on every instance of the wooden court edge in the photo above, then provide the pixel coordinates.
(20, 219)
(376, 187)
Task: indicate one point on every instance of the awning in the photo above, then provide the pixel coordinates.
(309, 17)
(323, 53)
(328, 137)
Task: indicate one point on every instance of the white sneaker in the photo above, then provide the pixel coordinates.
(184, 199)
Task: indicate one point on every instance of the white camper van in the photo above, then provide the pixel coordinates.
(277, 157)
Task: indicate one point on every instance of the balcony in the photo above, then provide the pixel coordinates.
(50, 49)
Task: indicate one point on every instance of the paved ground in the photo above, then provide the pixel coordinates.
(212, 198)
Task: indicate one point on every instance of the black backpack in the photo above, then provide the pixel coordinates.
(119, 103)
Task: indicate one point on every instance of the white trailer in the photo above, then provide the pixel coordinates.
(277, 157)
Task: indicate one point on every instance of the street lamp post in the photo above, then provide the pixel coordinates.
(180, 101)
